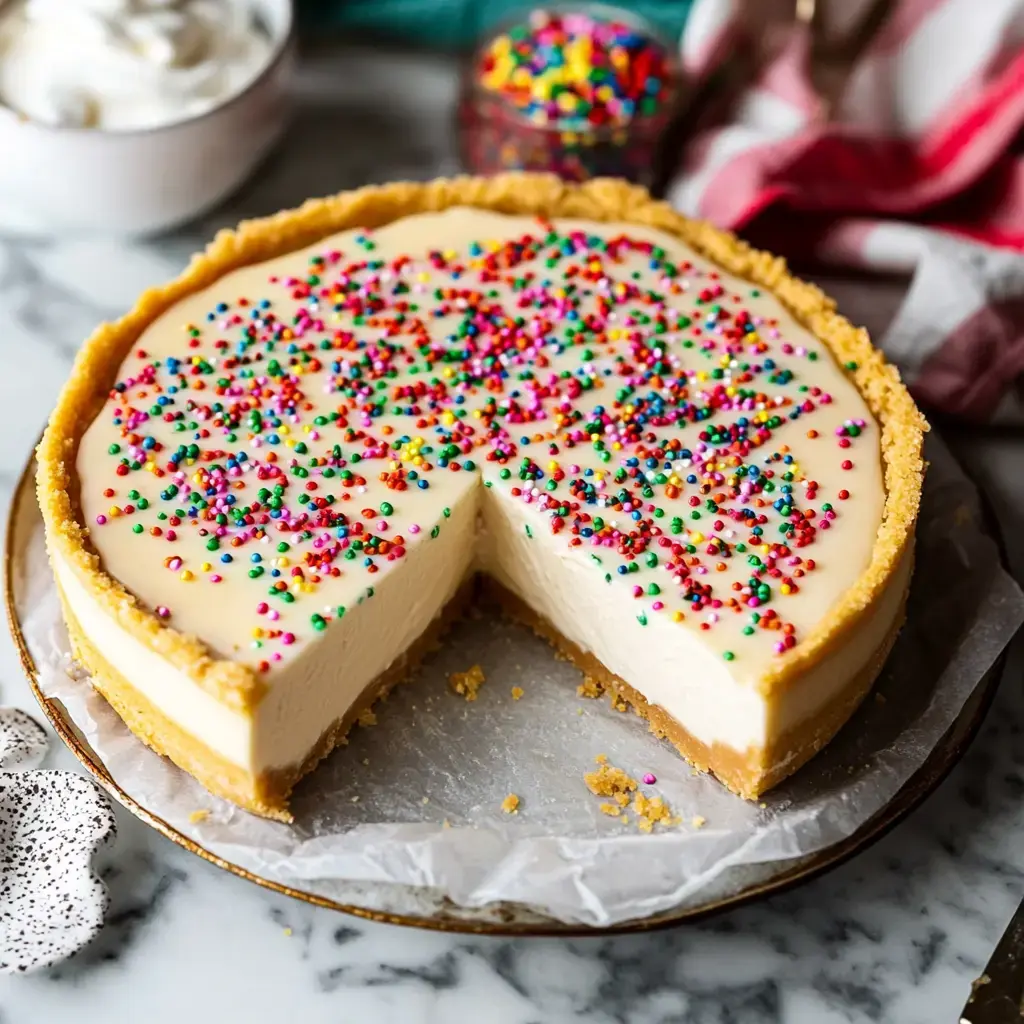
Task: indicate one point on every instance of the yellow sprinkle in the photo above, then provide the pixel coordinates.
(186, 575)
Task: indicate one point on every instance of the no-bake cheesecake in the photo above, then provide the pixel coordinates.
(270, 486)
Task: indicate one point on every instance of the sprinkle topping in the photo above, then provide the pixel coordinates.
(275, 447)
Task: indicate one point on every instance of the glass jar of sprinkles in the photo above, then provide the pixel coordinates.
(581, 91)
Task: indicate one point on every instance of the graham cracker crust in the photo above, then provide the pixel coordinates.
(748, 773)
(265, 794)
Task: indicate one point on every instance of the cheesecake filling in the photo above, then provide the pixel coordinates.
(301, 464)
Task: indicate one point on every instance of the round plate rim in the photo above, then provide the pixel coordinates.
(943, 758)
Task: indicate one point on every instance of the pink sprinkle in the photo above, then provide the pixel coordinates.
(101, 520)
(414, 528)
(262, 607)
(649, 779)
(288, 639)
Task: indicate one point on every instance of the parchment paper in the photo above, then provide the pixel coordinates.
(407, 818)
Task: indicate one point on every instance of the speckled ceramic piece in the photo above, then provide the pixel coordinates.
(51, 825)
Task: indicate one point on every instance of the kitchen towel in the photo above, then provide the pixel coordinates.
(914, 166)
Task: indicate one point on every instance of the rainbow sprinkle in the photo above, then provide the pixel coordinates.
(633, 404)
(578, 71)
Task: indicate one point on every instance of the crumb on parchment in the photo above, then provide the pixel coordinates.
(467, 683)
(623, 795)
(590, 688)
(517, 692)
(510, 805)
(197, 816)
(697, 821)
(608, 780)
(650, 810)
(367, 718)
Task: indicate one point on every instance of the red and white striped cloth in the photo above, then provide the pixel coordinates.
(918, 169)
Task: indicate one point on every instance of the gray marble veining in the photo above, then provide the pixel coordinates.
(896, 935)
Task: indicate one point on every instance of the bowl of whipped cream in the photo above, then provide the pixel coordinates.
(127, 117)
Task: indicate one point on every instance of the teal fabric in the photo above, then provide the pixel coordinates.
(452, 24)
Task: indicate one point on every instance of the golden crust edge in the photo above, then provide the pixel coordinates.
(902, 424)
(747, 773)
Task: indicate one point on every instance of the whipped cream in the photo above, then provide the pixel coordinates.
(126, 64)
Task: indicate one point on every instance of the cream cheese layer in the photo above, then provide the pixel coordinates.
(299, 465)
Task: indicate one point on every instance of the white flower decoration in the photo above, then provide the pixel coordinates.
(52, 823)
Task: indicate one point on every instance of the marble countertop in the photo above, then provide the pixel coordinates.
(895, 935)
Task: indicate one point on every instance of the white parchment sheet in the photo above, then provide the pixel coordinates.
(407, 817)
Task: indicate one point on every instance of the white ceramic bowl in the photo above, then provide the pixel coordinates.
(85, 180)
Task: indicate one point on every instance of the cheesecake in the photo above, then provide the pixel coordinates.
(271, 486)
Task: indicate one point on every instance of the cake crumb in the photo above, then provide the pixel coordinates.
(609, 780)
(879, 697)
(697, 821)
(197, 816)
(517, 692)
(288, 933)
(366, 762)
(589, 688)
(651, 811)
(510, 805)
(467, 683)
(367, 717)
(446, 823)
(425, 800)
(612, 810)
(355, 799)
(619, 702)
